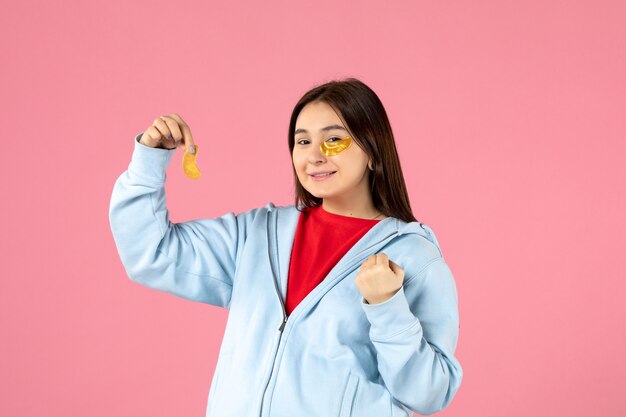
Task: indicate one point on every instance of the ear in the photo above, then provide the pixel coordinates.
(369, 165)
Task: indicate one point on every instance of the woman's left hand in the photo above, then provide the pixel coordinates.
(379, 278)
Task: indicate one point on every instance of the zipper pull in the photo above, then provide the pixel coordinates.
(282, 325)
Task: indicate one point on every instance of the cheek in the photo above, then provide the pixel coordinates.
(349, 161)
(297, 163)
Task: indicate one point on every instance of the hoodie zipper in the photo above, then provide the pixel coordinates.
(284, 322)
(280, 298)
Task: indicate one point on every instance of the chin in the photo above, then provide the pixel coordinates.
(322, 194)
(315, 192)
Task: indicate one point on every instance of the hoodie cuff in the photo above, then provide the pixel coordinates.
(390, 317)
(149, 162)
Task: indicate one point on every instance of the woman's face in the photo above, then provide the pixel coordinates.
(316, 123)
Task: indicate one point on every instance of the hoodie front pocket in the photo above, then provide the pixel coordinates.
(349, 394)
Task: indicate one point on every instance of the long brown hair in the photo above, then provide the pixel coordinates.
(365, 118)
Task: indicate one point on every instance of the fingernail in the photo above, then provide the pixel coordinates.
(169, 137)
(192, 149)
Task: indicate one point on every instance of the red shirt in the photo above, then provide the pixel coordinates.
(322, 239)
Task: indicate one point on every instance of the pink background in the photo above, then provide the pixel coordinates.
(509, 118)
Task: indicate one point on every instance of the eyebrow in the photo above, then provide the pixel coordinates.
(324, 129)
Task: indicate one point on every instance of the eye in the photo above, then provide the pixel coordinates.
(333, 137)
(302, 140)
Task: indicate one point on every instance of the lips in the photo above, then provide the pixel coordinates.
(321, 172)
(317, 177)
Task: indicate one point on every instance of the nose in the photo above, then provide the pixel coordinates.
(316, 156)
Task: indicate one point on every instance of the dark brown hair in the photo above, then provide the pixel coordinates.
(365, 118)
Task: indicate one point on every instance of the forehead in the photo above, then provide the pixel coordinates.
(315, 115)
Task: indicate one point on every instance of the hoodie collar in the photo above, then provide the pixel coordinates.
(289, 220)
(284, 220)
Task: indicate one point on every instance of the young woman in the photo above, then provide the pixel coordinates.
(339, 305)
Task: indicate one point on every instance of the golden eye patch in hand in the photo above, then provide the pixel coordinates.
(189, 164)
(333, 148)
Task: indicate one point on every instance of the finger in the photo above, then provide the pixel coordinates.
(382, 259)
(370, 261)
(176, 134)
(396, 269)
(161, 126)
(153, 136)
(187, 137)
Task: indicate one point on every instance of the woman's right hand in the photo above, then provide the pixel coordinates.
(168, 132)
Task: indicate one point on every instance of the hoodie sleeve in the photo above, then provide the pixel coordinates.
(194, 260)
(415, 335)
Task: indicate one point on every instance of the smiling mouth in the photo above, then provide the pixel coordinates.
(328, 174)
(322, 177)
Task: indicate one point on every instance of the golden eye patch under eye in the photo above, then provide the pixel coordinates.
(338, 146)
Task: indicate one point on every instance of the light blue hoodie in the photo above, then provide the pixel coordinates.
(334, 355)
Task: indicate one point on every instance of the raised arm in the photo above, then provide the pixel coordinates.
(194, 260)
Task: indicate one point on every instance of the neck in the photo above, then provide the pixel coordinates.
(360, 210)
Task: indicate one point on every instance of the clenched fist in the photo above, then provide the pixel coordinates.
(379, 278)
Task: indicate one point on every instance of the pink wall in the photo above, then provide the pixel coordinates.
(510, 122)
